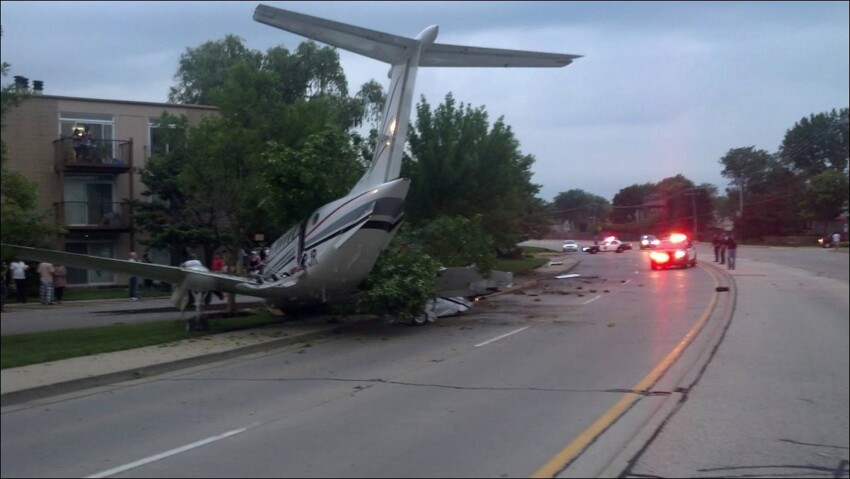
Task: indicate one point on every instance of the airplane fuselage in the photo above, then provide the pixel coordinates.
(329, 254)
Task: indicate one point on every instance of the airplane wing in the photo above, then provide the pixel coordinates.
(195, 279)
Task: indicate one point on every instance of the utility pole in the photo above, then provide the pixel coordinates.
(692, 192)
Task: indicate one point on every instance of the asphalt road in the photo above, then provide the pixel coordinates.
(620, 370)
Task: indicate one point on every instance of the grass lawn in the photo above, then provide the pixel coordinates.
(23, 349)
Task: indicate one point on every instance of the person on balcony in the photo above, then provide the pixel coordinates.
(77, 138)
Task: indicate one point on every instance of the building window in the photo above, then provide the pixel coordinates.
(101, 127)
(158, 140)
(77, 276)
(88, 201)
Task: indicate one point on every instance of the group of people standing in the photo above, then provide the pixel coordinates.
(52, 281)
(725, 249)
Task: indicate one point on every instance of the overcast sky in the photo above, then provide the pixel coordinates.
(662, 89)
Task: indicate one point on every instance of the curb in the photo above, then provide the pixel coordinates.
(40, 392)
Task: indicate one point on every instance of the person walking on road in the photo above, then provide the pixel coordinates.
(731, 251)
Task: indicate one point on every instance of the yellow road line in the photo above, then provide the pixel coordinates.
(554, 465)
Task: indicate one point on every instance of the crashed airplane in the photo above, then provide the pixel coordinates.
(328, 254)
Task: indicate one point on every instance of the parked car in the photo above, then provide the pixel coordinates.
(569, 246)
(648, 241)
(675, 250)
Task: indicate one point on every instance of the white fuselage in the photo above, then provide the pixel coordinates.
(328, 255)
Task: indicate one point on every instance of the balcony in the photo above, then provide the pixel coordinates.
(94, 216)
(100, 157)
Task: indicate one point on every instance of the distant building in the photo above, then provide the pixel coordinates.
(86, 179)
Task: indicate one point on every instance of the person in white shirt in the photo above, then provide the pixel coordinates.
(192, 261)
(133, 286)
(19, 274)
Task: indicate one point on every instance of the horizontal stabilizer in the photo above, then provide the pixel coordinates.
(394, 49)
(381, 46)
(441, 55)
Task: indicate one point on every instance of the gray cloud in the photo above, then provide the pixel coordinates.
(664, 88)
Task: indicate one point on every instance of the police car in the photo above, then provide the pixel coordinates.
(610, 243)
(675, 250)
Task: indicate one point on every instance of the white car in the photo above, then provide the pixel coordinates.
(608, 244)
(570, 246)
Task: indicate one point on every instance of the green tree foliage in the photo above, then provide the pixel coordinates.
(462, 166)
(23, 223)
(202, 70)
(401, 283)
(817, 144)
(297, 181)
(629, 200)
(684, 201)
(458, 241)
(746, 167)
(278, 147)
(584, 210)
(172, 217)
(826, 196)
(772, 206)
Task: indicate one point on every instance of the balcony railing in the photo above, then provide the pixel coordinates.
(101, 156)
(93, 215)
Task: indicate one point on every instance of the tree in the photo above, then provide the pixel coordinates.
(297, 181)
(817, 144)
(278, 148)
(679, 210)
(202, 69)
(22, 223)
(746, 167)
(629, 200)
(581, 208)
(460, 165)
(170, 219)
(826, 196)
(772, 206)
(402, 281)
(458, 241)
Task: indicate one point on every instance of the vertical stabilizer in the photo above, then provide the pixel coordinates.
(404, 55)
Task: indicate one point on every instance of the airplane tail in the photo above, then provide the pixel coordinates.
(404, 55)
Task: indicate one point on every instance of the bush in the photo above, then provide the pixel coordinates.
(400, 285)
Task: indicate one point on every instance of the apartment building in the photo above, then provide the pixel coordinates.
(85, 155)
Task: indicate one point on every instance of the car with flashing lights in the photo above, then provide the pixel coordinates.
(569, 246)
(610, 243)
(648, 241)
(676, 250)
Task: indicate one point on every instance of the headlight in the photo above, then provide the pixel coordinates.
(659, 256)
